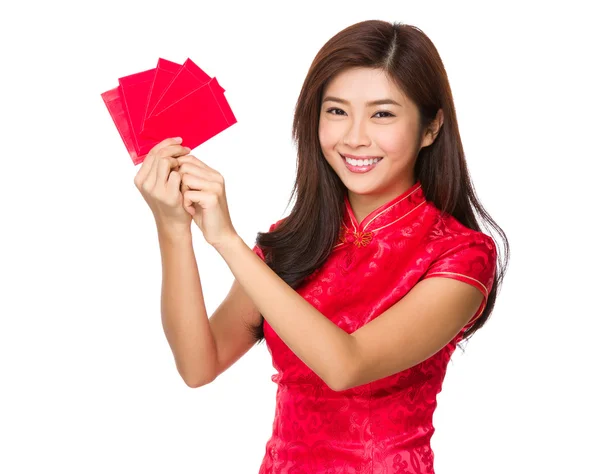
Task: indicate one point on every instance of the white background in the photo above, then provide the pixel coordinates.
(88, 383)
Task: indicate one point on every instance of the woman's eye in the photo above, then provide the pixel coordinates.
(380, 112)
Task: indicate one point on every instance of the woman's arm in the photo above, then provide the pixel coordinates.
(203, 348)
(410, 331)
(184, 319)
(319, 343)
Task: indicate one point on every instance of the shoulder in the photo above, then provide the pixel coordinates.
(459, 252)
(447, 233)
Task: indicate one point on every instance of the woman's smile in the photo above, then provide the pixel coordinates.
(362, 165)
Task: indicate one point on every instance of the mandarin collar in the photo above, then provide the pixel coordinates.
(392, 212)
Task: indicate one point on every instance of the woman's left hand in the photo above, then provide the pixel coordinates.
(203, 190)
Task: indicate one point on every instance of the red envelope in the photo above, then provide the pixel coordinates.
(122, 112)
(192, 106)
(165, 72)
(197, 117)
(135, 90)
(188, 78)
(116, 108)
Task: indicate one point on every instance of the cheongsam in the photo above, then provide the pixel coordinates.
(384, 426)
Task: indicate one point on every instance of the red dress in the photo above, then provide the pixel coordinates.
(384, 426)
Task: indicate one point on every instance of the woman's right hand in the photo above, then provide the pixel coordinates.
(159, 181)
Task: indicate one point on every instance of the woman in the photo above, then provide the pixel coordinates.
(365, 290)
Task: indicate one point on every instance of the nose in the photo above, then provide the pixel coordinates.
(356, 135)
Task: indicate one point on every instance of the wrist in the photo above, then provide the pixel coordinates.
(173, 234)
(228, 243)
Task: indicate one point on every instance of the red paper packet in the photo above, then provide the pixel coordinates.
(187, 79)
(114, 103)
(165, 73)
(180, 100)
(197, 117)
(135, 90)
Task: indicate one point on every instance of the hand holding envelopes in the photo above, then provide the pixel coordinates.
(170, 100)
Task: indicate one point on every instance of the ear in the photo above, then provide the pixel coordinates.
(433, 129)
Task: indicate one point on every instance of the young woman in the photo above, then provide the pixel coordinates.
(365, 290)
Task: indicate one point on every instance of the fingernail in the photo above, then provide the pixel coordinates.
(178, 139)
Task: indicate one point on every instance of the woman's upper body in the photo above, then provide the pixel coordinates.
(384, 201)
(386, 423)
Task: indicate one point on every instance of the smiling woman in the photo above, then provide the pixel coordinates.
(384, 244)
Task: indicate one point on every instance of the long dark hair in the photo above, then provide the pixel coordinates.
(303, 241)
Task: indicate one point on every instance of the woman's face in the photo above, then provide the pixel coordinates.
(350, 125)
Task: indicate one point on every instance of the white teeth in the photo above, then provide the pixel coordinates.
(362, 162)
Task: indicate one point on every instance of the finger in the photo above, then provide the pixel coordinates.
(151, 178)
(188, 204)
(173, 183)
(196, 197)
(166, 142)
(192, 169)
(144, 170)
(193, 160)
(200, 184)
(165, 152)
(201, 172)
(165, 165)
(173, 150)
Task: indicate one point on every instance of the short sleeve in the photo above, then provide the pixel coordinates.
(256, 249)
(472, 260)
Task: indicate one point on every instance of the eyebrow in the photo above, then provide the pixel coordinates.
(374, 102)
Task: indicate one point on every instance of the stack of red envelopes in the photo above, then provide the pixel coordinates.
(170, 100)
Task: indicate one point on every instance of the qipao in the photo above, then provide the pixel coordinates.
(384, 426)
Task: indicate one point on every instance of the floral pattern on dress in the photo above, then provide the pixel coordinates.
(383, 427)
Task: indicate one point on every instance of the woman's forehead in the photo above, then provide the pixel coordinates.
(363, 86)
